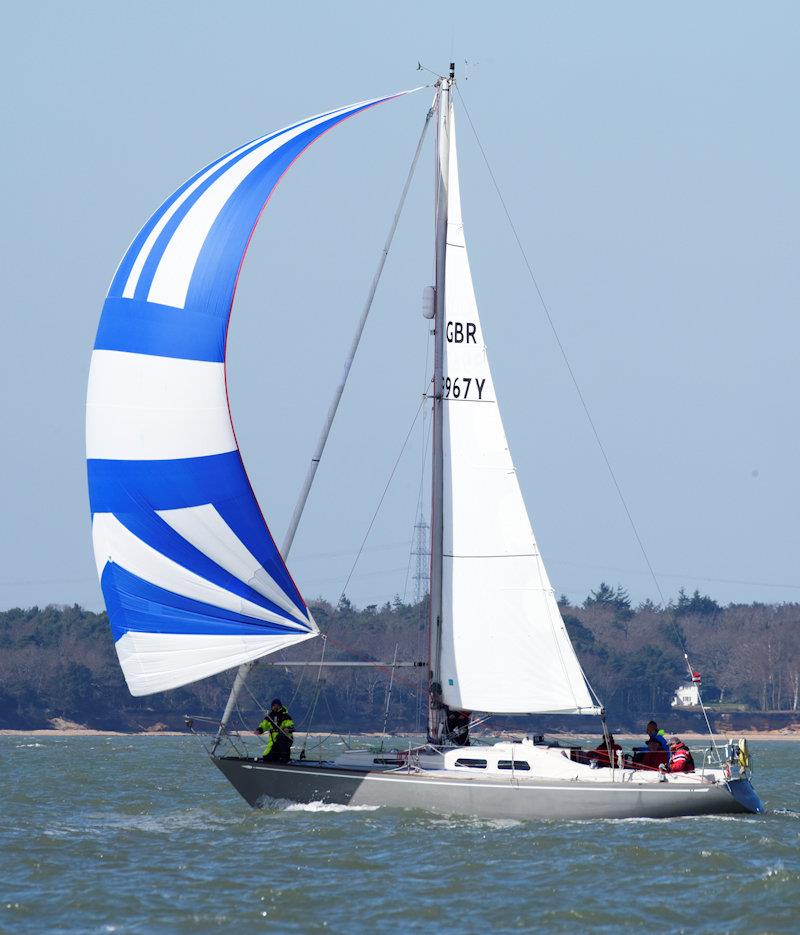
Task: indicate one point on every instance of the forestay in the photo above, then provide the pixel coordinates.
(504, 645)
(191, 577)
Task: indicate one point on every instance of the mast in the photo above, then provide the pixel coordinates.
(435, 711)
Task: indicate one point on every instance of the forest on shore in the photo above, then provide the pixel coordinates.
(59, 662)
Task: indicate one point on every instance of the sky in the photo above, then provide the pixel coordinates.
(648, 156)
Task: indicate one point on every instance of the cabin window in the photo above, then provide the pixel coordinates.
(387, 761)
(513, 764)
(470, 763)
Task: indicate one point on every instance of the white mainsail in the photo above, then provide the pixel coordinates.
(504, 646)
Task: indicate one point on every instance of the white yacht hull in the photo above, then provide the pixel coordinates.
(484, 797)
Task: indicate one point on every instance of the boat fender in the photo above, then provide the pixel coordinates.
(744, 753)
(428, 302)
(662, 772)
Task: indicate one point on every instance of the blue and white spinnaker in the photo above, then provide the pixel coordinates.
(191, 576)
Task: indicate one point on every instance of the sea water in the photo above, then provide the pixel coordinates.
(142, 834)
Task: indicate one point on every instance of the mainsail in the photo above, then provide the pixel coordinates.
(191, 576)
(504, 646)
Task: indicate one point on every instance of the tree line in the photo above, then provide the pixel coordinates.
(60, 662)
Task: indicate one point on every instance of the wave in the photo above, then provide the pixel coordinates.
(785, 812)
(150, 823)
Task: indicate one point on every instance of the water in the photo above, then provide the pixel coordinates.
(142, 834)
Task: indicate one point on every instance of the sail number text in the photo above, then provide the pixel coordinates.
(459, 333)
(464, 387)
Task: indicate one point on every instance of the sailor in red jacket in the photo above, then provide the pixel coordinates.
(601, 751)
(680, 758)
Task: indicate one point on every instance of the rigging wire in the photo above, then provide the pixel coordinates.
(298, 686)
(310, 716)
(382, 498)
(427, 426)
(334, 720)
(425, 440)
(307, 717)
(262, 705)
(582, 399)
(421, 67)
(389, 696)
(563, 351)
(671, 574)
(244, 727)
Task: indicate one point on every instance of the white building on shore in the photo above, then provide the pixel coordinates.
(686, 696)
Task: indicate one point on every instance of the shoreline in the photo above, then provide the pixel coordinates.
(781, 734)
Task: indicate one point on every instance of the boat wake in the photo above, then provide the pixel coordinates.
(285, 805)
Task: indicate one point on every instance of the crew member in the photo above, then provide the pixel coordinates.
(655, 738)
(680, 760)
(457, 727)
(279, 728)
(600, 752)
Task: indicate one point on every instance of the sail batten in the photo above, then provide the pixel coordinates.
(192, 579)
(504, 645)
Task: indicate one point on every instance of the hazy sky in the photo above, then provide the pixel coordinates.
(649, 155)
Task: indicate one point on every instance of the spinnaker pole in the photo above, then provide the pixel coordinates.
(294, 522)
(435, 709)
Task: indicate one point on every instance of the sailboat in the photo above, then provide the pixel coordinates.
(194, 583)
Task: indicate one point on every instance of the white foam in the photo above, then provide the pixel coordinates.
(493, 824)
(285, 805)
(786, 812)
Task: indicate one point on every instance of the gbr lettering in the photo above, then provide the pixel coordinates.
(460, 333)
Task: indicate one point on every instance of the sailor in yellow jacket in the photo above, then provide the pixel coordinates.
(279, 728)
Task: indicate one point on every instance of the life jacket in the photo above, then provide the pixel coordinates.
(681, 759)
